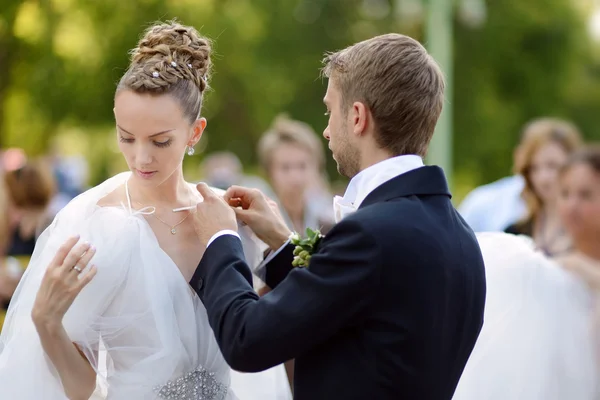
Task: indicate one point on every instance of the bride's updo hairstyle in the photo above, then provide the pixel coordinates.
(171, 59)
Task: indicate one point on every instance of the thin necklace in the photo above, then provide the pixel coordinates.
(173, 230)
(172, 227)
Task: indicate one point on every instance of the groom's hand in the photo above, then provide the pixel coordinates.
(260, 213)
(212, 215)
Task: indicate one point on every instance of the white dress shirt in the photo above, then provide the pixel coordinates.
(221, 233)
(495, 206)
(369, 179)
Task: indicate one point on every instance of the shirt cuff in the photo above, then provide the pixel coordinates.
(222, 233)
(261, 270)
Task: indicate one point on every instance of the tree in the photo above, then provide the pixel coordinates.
(529, 59)
(520, 65)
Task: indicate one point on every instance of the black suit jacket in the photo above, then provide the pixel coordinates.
(390, 307)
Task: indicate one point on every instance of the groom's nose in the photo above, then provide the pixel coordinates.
(326, 133)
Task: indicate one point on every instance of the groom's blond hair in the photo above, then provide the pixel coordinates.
(398, 81)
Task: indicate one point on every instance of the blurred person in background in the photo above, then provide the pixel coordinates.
(541, 335)
(495, 206)
(223, 169)
(71, 175)
(579, 209)
(10, 159)
(28, 191)
(293, 158)
(546, 147)
(13, 158)
(7, 285)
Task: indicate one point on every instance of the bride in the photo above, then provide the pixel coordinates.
(129, 321)
(541, 332)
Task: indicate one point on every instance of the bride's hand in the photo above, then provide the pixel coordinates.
(62, 282)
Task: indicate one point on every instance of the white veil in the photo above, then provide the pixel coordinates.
(138, 311)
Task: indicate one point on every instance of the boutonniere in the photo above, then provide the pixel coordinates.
(305, 247)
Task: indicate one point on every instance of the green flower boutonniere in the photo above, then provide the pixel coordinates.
(305, 247)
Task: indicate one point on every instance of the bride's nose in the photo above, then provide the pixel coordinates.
(143, 155)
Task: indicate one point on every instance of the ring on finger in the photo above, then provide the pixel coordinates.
(77, 268)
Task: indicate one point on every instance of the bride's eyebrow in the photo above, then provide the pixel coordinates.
(154, 134)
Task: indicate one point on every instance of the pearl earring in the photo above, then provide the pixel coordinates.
(190, 151)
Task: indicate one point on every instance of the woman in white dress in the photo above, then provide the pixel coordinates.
(541, 336)
(119, 312)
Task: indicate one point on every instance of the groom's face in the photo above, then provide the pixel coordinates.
(344, 153)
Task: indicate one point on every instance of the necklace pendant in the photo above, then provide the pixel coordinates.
(173, 231)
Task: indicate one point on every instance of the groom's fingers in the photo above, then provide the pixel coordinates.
(235, 202)
(239, 196)
(245, 216)
(236, 192)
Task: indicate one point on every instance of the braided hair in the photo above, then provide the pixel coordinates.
(171, 59)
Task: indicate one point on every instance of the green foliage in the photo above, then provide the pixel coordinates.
(61, 59)
(523, 63)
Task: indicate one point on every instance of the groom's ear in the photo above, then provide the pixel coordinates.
(361, 118)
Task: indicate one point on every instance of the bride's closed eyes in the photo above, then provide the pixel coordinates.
(166, 143)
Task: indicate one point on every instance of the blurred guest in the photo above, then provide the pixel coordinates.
(28, 191)
(13, 158)
(579, 208)
(545, 149)
(71, 175)
(541, 335)
(6, 285)
(294, 160)
(224, 169)
(495, 206)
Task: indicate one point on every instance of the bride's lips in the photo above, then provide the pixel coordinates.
(145, 174)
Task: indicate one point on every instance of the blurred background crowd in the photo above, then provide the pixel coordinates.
(524, 94)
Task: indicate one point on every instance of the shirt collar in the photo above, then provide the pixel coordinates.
(370, 178)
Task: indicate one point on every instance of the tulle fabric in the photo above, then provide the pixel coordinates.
(538, 340)
(138, 322)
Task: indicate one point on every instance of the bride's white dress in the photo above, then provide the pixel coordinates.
(138, 321)
(539, 340)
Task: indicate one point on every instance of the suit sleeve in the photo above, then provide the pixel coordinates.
(306, 308)
(280, 266)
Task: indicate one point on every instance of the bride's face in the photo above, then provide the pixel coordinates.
(153, 135)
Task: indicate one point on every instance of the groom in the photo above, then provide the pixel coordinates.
(392, 303)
